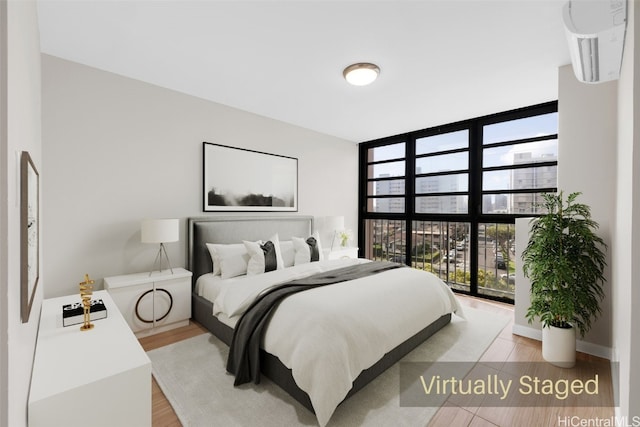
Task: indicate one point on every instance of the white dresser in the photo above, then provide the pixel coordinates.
(154, 302)
(100, 377)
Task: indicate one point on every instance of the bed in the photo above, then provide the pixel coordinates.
(283, 369)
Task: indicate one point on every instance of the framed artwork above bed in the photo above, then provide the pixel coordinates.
(236, 179)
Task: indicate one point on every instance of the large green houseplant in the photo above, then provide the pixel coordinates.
(565, 262)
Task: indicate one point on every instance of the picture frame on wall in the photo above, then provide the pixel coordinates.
(29, 233)
(237, 179)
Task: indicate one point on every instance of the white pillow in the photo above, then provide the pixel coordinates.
(304, 251)
(234, 266)
(259, 260)
(228, 260)
(288, 253)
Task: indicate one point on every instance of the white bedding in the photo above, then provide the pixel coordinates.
(328, 335)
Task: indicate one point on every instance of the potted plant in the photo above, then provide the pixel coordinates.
(565, 262)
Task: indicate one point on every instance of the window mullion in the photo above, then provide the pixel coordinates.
(475, 201)
(410, 194)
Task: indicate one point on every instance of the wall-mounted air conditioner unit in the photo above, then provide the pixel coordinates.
(595, 32)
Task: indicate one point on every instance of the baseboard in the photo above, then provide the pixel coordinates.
(527, 332)
(615, 382)
(595, 349)
(581, 346)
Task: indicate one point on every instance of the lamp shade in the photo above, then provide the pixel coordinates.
(327, 226)
(160, 230)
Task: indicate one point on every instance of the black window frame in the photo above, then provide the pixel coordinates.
(474, 215)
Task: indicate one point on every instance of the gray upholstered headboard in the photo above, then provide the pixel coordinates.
(235, 229)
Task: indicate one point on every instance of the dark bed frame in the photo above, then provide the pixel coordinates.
(225, 229)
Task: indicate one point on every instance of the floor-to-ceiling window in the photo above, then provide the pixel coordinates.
(445, 199)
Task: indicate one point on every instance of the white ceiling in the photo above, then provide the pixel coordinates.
(441, 60)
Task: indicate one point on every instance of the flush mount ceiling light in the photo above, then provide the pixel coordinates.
(361, 74)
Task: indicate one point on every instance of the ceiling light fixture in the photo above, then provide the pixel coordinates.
(361, 74)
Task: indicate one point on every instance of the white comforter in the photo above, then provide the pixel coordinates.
(328, 335)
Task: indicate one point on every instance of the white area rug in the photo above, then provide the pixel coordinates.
(192, 375)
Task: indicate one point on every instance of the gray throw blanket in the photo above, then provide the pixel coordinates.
(244, 353)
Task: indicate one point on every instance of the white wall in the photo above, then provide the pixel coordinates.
(587, 130)
(522, 300)
(4, 243)
(587, 156)
(626, 271)
(23, 132)
(118, 150)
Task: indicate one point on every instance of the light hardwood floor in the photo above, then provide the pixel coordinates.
(506, 347)
(513, 348)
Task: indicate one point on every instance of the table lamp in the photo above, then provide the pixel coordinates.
(160, 231)
(328, 226)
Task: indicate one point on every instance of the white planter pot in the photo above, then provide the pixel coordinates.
(559, 346)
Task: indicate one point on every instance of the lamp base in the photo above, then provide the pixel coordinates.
(158, 260)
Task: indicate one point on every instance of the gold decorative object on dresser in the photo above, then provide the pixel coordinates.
(86, 290)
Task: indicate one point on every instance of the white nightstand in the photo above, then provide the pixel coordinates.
(99, 377)
(338, 253)
(152, 303)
